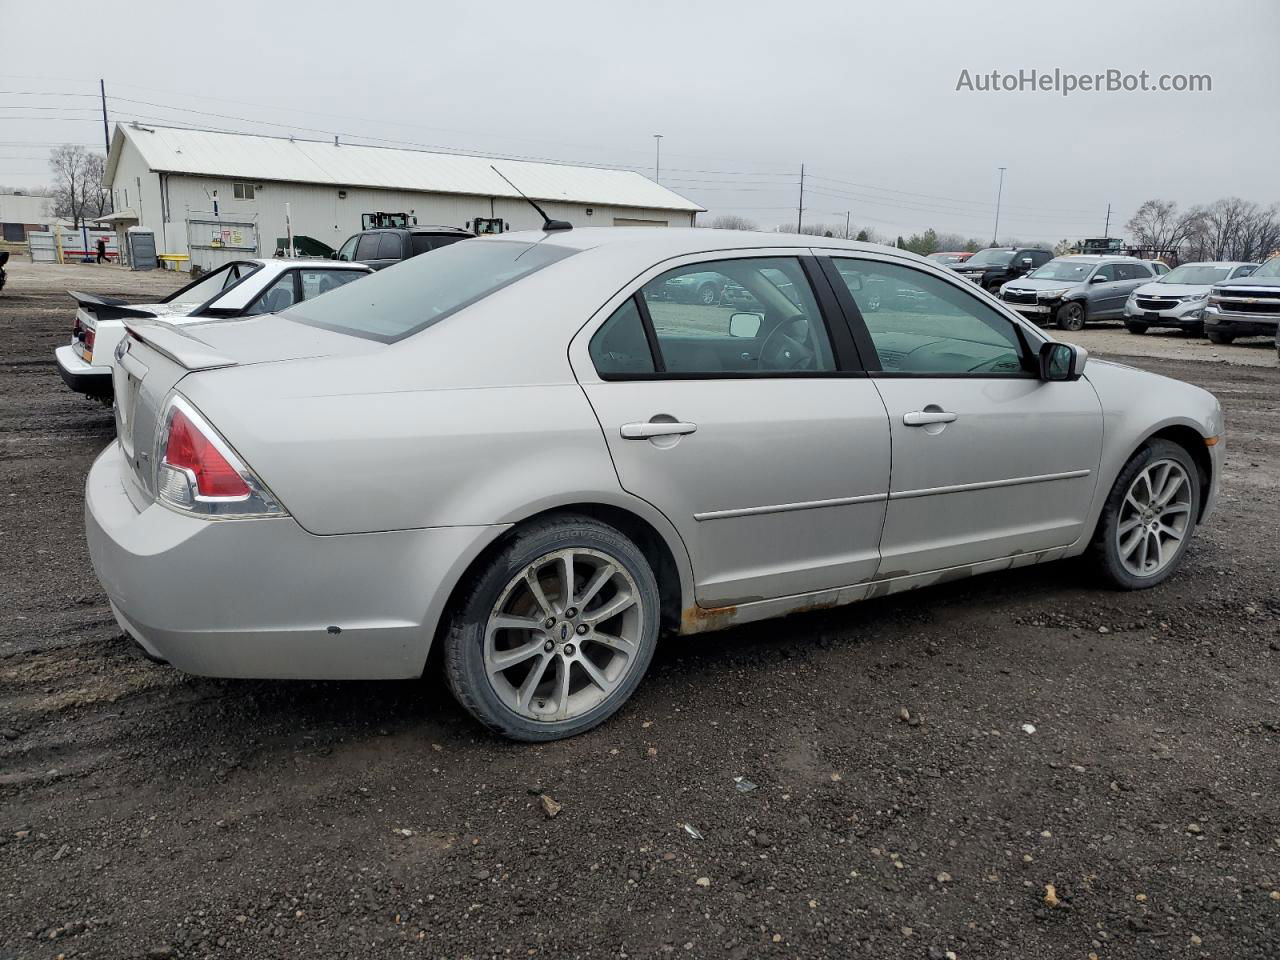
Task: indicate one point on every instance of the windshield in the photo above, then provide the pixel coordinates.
(413, 294)
(1201, 273)
(1063, 270)
(1269, 269)
(990, 258)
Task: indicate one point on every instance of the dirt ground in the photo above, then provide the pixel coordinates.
(144, 813)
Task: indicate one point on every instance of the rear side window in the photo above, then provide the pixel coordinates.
(392, 304)
(620, 347)
(368, 247)
(390, 247)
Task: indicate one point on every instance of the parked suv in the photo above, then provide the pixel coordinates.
(1178, 298)
(996, 265)
(1072, 290)
(1248, 307)
(383, 247)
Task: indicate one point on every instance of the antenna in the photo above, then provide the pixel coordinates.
(547, 222)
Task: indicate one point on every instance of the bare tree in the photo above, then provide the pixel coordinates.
(1235, 229)
(1158, 225)
(78, 190)
(730, 221)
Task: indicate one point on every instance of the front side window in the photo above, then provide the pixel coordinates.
(1244, 270)
(348, 250)
(1106, 272)
(736, 317)
(367, 249)
(921, 324)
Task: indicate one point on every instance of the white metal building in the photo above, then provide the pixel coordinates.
(213, 195)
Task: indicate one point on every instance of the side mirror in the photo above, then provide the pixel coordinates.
(745, 326)
(1062, 361)
(334, 255)
(1097, 278)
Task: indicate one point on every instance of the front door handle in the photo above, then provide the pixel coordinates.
(658, 428)
(922, 418)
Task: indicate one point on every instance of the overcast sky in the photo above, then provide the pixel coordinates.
(864, 94)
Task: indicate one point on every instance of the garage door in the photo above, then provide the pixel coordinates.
(629, 222)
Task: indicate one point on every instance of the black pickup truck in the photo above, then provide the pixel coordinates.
(993, 266)
(387, 245)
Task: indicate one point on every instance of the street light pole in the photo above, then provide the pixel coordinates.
(995, 234)
(657, 157)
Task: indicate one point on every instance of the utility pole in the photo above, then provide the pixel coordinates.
(847, 214)
(800, 212)
(995, 234)
(1106, 230)
(106, 133)
(657, 157)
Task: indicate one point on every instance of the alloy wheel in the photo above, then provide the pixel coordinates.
(1154, 519)
(564, 634)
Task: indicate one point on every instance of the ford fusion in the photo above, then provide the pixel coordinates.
(524, 451)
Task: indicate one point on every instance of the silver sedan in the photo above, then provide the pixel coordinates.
(523, 450)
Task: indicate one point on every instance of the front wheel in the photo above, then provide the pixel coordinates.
(709, 294)
(1135, 326)
(1148, 518)
(1070, 316)
(556, 633)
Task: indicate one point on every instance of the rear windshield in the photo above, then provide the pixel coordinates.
(401, 300)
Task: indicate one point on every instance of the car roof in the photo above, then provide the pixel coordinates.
(665, 242)
(1101, 258)
(286, 262)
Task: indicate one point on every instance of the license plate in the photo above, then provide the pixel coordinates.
(1029, 308)
(1153, 316)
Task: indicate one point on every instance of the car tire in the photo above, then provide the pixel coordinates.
(1134, 326)
(1121, 565)
(1070, 316)
(1221, 338)
(708, 294)
(1195, 330)
(473, 645)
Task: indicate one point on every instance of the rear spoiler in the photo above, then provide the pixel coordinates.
(107, 308)
(177, 345)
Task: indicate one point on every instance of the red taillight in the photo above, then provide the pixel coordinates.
(190, 449)
(89, 337)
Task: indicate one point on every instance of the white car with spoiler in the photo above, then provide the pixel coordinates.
(242, 288)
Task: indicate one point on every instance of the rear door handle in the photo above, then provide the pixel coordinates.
(923, 418)
(660, 428)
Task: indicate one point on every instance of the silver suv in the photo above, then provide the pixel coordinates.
(1178, 298)
(1073, 290)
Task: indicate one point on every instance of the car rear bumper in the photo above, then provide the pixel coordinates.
(1241, 324)
(265, 598)
(82, 377)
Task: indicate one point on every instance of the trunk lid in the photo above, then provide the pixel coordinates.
(154, 356)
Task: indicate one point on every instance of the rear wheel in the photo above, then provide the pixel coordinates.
(1070, 316)
(1149, 517)
(1135, 326)
(556, 633)
(1216, 337)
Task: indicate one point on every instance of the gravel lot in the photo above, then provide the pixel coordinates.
(903, 806)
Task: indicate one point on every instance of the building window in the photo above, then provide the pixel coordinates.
(242, 191)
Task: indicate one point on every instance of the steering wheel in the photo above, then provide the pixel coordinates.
(788, 352)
